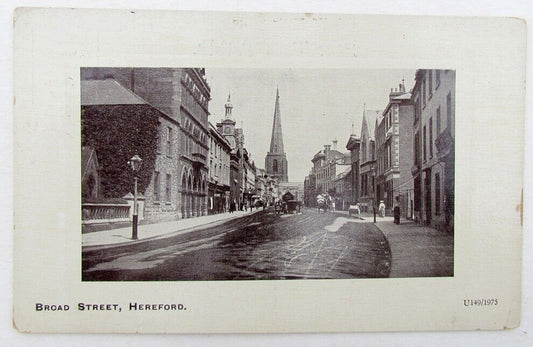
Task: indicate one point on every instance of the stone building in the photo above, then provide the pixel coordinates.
(107, 99)
(433, 166)
(394, 152)
(353, 146)
(219, 172)
(276, 161)
(178, 188)
(367, 160)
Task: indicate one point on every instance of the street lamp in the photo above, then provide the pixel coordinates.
(135, 163)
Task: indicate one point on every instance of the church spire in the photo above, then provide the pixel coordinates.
(276, 164)
(276, 141)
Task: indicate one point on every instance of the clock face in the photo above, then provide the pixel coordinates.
(226, 130)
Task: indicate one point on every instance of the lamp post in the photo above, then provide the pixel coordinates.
(373, 170)
(135, 163)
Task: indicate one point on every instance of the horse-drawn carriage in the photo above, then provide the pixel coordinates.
(288, 204)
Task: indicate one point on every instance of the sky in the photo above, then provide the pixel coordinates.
(317, 106)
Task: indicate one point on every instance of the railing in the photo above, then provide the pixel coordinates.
(104, 213)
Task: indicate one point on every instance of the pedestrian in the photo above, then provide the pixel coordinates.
(381, 209)
(396, 206)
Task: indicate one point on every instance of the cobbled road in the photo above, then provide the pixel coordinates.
(262, 246)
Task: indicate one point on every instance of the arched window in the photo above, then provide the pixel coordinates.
(275, 165)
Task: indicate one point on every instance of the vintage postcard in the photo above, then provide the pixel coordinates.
(198, 172)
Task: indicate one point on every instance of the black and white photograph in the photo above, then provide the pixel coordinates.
(200, 172)
(266, 174)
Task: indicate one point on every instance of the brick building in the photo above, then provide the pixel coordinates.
(323, 177)
(219, 172)
(433, 167)
(394, 152)
(325, 164)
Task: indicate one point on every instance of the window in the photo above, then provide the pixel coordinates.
(275, 165)
(169, 188)
(437, 125)
(169, 142)
(430, 83)
(424, 92)
(437, 193)
(160, 139)
(430, 138)
(424, 140)
(417, 148)
(389, 156)
(449, 110)
(417, 110)
(156, 186)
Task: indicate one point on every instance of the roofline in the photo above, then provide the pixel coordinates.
(129, 91)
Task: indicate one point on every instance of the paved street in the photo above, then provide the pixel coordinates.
(262, 245)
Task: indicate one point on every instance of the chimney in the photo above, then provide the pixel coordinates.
(327, 148)
(402, 88)
(335, 144)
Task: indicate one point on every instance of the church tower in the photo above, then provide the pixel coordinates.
(227, 126)
(275, 160)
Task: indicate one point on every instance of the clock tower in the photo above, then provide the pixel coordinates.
(227, 126)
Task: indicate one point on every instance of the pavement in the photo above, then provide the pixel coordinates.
(417, 250)
(122, 236)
